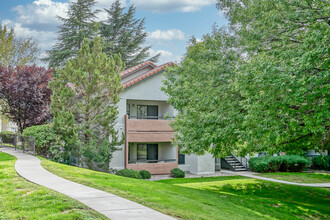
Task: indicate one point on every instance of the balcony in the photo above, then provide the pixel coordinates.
(148, 145)
(148, 130)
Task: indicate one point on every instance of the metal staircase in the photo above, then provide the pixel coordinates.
(234, 164)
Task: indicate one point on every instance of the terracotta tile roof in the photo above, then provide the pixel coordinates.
(146, 75)
(134, 68)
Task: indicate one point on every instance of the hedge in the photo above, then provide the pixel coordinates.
(284, 163)
(45, 137)
(129, 173)
(7, 137)
(321, 162)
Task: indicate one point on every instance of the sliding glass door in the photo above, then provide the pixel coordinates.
(147, 152)
(147, 112)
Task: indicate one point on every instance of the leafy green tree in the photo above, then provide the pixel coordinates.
(79, 25)
(285, 76)
(16, 51)
(209, 107)
(85, 94)
(277, 96)
(124, 35)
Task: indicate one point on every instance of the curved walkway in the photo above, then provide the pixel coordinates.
(110, 205)
(252, 175)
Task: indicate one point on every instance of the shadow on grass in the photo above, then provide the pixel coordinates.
(257, 195)
(229, 197)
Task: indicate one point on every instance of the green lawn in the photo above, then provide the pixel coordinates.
(21, 199)
(231, 197)
(299, 177)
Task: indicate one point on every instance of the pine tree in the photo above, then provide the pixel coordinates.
(124, 35)
(79, 25)
(85, 94)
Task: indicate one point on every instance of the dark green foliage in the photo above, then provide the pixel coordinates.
(177, 173)
(321, 162)
(125, 35)
(84, 105)
(129, 173)
(80, 24)
(47, 142)
(7, 137)
(285, 163)
(145, 174)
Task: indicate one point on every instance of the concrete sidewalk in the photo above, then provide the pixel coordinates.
(110, 205)
(253, 175)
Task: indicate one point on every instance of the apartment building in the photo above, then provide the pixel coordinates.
(144, 116)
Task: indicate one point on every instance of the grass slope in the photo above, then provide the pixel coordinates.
(231, 197)
(21, 199)
(300, 177)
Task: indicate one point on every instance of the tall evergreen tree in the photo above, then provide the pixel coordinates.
(85, 94)
(79, 25)
(124, 34)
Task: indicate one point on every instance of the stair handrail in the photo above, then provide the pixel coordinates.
(243, 160)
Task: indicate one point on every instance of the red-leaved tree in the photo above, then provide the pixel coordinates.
(24, 95)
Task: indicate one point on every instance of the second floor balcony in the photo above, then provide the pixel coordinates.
(148, 130)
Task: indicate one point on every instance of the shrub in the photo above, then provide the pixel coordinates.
(7, 137)
(177, 173)
(145, 174)
(293, 163)
(129, 173)
(259, 164)
(321, 162)
(285, 163)
(47, 141)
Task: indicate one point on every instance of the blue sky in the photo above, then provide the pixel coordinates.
(169, 23)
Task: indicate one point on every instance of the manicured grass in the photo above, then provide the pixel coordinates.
(299, 177)
(231, 197)
(21, 199)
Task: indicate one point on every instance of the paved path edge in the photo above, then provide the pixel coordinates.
(254, 175)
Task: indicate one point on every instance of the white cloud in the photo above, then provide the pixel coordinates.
(107, 3)
(39, 21)
(165, 56)
(162, 6)
(41, 14)
(171, 34)
(44, 39)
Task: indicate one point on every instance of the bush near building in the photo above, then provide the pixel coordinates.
(321, 162)
(285, 163)
(129, 173)
(145, 174)
(177, 173)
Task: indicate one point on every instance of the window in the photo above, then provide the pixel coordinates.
(147, 152)
(181, 159)
(128, 109)
(147, 112)
(141, 152)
